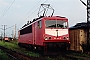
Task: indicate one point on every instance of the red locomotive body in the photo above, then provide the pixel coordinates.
(46, 32)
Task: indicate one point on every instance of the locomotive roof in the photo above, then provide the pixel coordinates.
(41, 17)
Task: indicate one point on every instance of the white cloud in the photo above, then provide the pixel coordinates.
(18, 6)
(3, 3)
(6, 3)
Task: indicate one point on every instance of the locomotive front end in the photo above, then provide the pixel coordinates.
(56, 33)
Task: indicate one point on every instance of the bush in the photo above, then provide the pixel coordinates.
(86, 47)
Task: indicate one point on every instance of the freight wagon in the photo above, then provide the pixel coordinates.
(78, 36)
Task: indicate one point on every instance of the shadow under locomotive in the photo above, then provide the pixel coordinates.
(56, 47)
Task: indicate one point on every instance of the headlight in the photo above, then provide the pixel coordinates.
(49, 37)
(46, 38)
(66, 38)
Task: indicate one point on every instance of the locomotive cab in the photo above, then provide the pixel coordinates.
(56, 32)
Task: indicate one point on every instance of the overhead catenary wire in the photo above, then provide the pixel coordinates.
(29, 12)
(7, 29)
(32, 12)
(7, 10)
(45, 1)
(28, 16)
(10, 27)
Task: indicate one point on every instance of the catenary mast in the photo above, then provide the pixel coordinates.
(88, 18)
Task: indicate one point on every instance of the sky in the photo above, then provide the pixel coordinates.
(20, 11)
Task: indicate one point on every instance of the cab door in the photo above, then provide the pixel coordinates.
(34, 33)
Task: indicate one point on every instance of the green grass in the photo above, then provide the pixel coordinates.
(14, 46)
(81, 55)
(4, 56)
(56, 58)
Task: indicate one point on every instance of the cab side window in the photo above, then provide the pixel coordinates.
(40, 24)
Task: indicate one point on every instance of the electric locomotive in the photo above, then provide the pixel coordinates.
(45, 33)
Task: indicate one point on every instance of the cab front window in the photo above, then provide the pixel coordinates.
(56, 24)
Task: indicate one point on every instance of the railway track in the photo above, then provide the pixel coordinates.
(69, 55)
(17, 55)
(66, 55)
